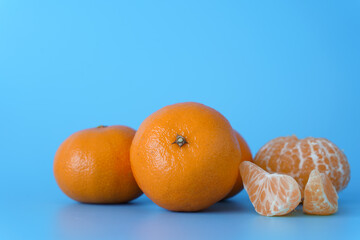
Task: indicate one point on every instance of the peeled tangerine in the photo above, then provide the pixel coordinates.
(270, 194)
(298, 157)
(320, 197)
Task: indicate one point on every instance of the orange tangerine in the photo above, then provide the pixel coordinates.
(185, 157)
(298, 157)
(245, 156)
(93, 165)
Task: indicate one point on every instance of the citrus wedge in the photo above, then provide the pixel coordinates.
(320, 197)
(270, 194)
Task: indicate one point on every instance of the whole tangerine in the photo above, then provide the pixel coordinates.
(93, 165)
(185, 157)
(245, 156)
(298, 157)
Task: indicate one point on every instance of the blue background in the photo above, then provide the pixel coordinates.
(273, 68)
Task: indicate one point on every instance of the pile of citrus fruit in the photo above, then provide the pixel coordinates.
(186, 157)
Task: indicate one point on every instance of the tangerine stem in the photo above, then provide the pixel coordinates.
(180, 140)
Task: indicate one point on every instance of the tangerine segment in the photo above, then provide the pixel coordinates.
(320, 197)
(270, 194)
(298, 157)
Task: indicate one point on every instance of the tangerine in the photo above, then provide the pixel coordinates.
(93, 165)
(245, 156)
(185, 157)
(298, 157)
